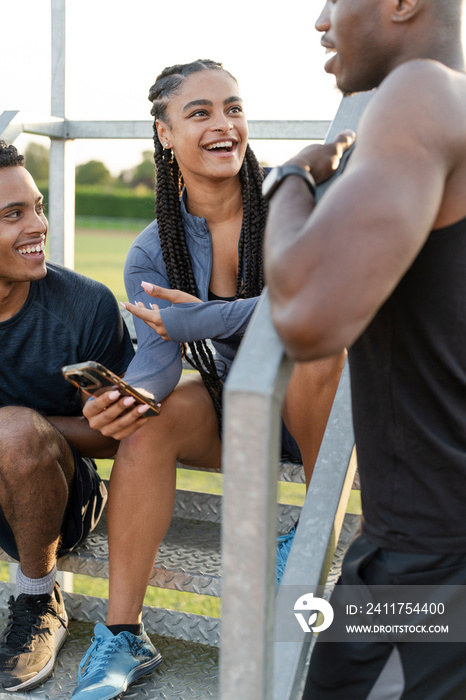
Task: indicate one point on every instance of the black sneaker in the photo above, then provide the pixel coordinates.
(35, 632)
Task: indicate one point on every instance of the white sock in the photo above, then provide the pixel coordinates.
(35, 586)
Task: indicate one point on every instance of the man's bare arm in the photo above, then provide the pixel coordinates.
(330, 272)
(88, 442)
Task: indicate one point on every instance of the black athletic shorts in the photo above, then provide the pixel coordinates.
(384, 670)
(87, 501)
(290, 449)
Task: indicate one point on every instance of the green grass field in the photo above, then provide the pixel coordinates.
(101, 255)
(100, 252)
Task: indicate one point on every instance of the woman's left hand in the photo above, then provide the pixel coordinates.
(152, 317)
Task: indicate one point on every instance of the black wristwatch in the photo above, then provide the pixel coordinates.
(277, 175)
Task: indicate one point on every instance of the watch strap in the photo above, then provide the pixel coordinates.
(278, 174)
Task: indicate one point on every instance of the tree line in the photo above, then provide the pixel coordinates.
(94, 172)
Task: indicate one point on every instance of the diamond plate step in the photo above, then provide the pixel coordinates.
(287, 471)
(175, 624)
(190, 668)
(196, 505)
(189, 557)
(189, 671)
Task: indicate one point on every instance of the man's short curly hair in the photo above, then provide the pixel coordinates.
(9, 155)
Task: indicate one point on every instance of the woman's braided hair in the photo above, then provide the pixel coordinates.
(169, 185)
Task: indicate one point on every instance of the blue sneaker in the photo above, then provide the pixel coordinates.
(112, 662)
(283, 550)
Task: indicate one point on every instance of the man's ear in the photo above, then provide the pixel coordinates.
(405, 9)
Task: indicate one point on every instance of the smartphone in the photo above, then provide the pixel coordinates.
(94, 379)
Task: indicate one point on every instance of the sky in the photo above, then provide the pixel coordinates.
(116, 48)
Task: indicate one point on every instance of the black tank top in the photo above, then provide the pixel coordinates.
(214, 297)
(408, 375)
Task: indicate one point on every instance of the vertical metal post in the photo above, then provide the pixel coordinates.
(12, 569)
(66, 580)
(61, 169)
(61, 175)
(255, 390)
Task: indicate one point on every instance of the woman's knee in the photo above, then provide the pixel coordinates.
(186, 420)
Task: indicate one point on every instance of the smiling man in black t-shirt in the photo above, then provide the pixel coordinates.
(50, 494)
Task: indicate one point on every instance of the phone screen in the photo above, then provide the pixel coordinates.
(94, 379)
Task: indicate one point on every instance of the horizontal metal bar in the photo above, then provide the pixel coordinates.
(258, 129)
(110, 129)
(292, 129)
(13, 123)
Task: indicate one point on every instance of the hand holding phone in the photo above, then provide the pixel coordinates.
(94, 379)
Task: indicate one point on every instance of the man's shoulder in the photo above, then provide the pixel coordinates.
(424, 82)
(59, 274)
(72, 297)
(423, 72)
(422, 101)
(60, 277)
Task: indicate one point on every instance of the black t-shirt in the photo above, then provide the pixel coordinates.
(408, 375)
(67, 318)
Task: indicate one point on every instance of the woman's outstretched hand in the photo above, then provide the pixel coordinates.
(152, 317)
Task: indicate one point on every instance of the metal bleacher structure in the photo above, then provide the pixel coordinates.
(217, 545)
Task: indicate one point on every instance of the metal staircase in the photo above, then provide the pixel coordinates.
(189, 560)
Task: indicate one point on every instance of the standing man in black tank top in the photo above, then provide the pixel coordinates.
(380, 268)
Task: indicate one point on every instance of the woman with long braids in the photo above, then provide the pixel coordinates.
(201, 260)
